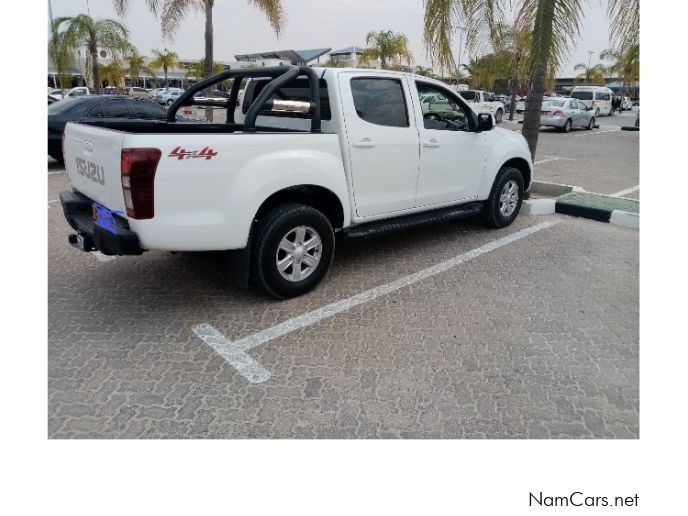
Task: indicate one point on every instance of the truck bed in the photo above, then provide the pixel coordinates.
(180, 127)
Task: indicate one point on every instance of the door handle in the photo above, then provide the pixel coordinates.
(431, 143)
(365, 142)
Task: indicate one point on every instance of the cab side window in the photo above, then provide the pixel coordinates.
(380, 101)
(440, 109)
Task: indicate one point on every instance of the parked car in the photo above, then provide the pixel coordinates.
(521, 105)
(79, 91)
(598, 98)
(52, 100)
(565, 113)
(168, 96)
(274, 186)
(484, 102)
(100, 107)
(56, 93)
(135, 91)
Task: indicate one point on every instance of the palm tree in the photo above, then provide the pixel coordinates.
(553, 26)
(335, 63)
(136, 65)
(61, 55)
(173, 12)
(425, 72)
(386, 45)
(624, 65)
(84, 31)
(165, 60)
(113, 74)
(591, 74)
(197, 70)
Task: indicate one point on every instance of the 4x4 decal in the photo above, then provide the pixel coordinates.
(180, 153)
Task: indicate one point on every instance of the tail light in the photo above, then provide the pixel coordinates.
(557, 113)
(138, 168)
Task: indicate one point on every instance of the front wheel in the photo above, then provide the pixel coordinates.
(498, 116)
(506, 197)
(169, 102)
(591, 124)
(293, 249)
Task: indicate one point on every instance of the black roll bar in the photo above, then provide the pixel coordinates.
(280, 75)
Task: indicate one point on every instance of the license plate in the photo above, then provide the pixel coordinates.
(104, 218)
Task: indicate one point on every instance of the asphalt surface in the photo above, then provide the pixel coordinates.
(535, 339)
(604, 160)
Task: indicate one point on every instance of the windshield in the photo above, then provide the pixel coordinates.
(582, 95)
(553, 103)
(62, 106)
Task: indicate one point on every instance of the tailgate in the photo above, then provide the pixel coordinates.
(92, 159)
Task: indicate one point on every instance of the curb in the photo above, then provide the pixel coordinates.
(550, 206)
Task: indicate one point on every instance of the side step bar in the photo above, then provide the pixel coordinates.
(380, 227)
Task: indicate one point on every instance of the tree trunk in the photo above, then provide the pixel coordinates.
(542, 46)
(96, 72)
(209, 51)
(512, 92)
(383, 62)
(167, 82)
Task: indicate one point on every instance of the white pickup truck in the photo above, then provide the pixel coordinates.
(483, 102)
(309, 153)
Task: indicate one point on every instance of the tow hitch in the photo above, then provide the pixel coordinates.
(81, 241)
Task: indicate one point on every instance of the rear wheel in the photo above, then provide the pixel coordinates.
(567, 126)
(506, 197)
(169, 102)
(293, 249)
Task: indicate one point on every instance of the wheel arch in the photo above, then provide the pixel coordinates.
(524, 167)
(317, 196)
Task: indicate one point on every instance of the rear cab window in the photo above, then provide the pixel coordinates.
(298, 89)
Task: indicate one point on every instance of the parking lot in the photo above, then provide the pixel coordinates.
(451, 331)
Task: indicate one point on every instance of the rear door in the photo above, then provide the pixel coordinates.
(382, 141)
(92, 160)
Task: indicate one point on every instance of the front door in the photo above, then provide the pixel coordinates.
(452, 154)
(382, 141)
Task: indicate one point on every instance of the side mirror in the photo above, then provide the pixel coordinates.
(485, 122)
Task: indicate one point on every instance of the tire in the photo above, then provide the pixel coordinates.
(498, 116)
(597, 112)
(493, 214)
(58, 157)
(286, 222)
(169, 102)
(567, 126)
(591, 124)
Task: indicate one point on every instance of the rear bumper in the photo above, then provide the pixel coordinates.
(552, 121)
(78, 210)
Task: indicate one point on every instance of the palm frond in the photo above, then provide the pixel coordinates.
(273, 11)
(624, 17)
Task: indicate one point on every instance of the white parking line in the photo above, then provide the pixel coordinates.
(235, 352)
(626, 191)
(58, 172)
(102, 257)
(552, 158)
(597, 132)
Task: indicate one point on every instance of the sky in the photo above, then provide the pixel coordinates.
(240, 28)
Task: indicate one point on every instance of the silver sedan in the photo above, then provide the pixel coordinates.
(565, 113)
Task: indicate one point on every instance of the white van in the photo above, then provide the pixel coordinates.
(597, 98)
